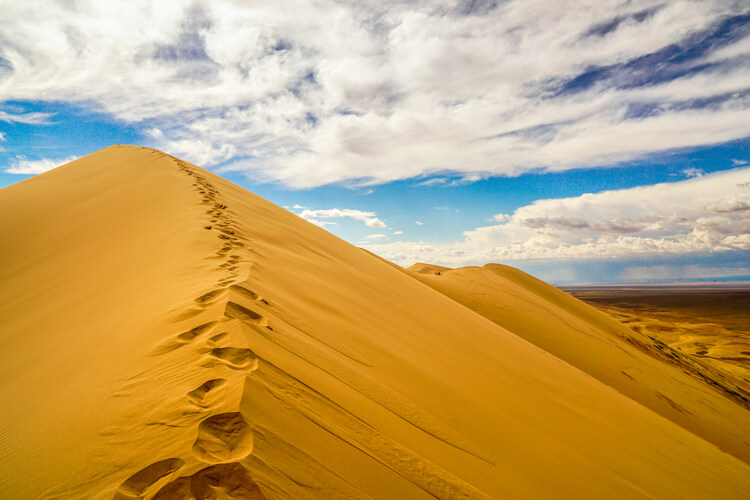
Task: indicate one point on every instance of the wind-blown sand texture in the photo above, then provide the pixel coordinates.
(167, 334)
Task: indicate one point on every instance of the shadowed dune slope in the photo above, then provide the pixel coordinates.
(167, 334)
(694, 395)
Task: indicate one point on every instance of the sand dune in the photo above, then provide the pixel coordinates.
(703, 400)
(168, 334)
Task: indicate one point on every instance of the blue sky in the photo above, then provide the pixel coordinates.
(583, 142)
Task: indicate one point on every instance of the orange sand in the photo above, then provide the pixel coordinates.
(167, 334)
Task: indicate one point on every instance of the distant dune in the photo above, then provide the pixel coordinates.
(701, 399)
(167, 334)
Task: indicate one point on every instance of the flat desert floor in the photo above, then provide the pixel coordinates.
(709, 322)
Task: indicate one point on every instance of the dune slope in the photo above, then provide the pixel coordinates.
(168, 334)
(694, 395)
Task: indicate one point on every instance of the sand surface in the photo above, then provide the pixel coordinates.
(167, 334)
(709, 402)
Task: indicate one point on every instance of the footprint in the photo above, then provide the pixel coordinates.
(198, 330)
(240, 290)
(226, 481)
(209, 387)
(236, 311)
(216, 338)
(180, 340)
(140, 484)
(222, 438)
(210, 297)
(235, 358)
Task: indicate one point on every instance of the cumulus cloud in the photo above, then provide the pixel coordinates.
(396, 233)
(32, 167)
(706, 214)
(369, 219)
(732, 203)
(311, 93)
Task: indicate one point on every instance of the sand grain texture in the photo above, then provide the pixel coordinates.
(168, 334)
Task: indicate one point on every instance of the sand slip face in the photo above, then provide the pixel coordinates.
(170, 335)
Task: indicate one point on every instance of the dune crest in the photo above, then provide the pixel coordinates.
(171, 335)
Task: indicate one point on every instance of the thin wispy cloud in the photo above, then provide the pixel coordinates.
(25, 166)
(31, 118)
(359, 92)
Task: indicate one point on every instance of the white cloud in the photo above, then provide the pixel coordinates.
(693, 172)
(33, 118)
(374, 222)
(32, 167)
(706, 214)
(396, 233)
(310, 93)
(369, 219)
(375, 236)
(434, 181)
(419, 223)
(739, 163)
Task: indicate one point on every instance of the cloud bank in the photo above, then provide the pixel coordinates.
(705, 214)
(312, 93)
